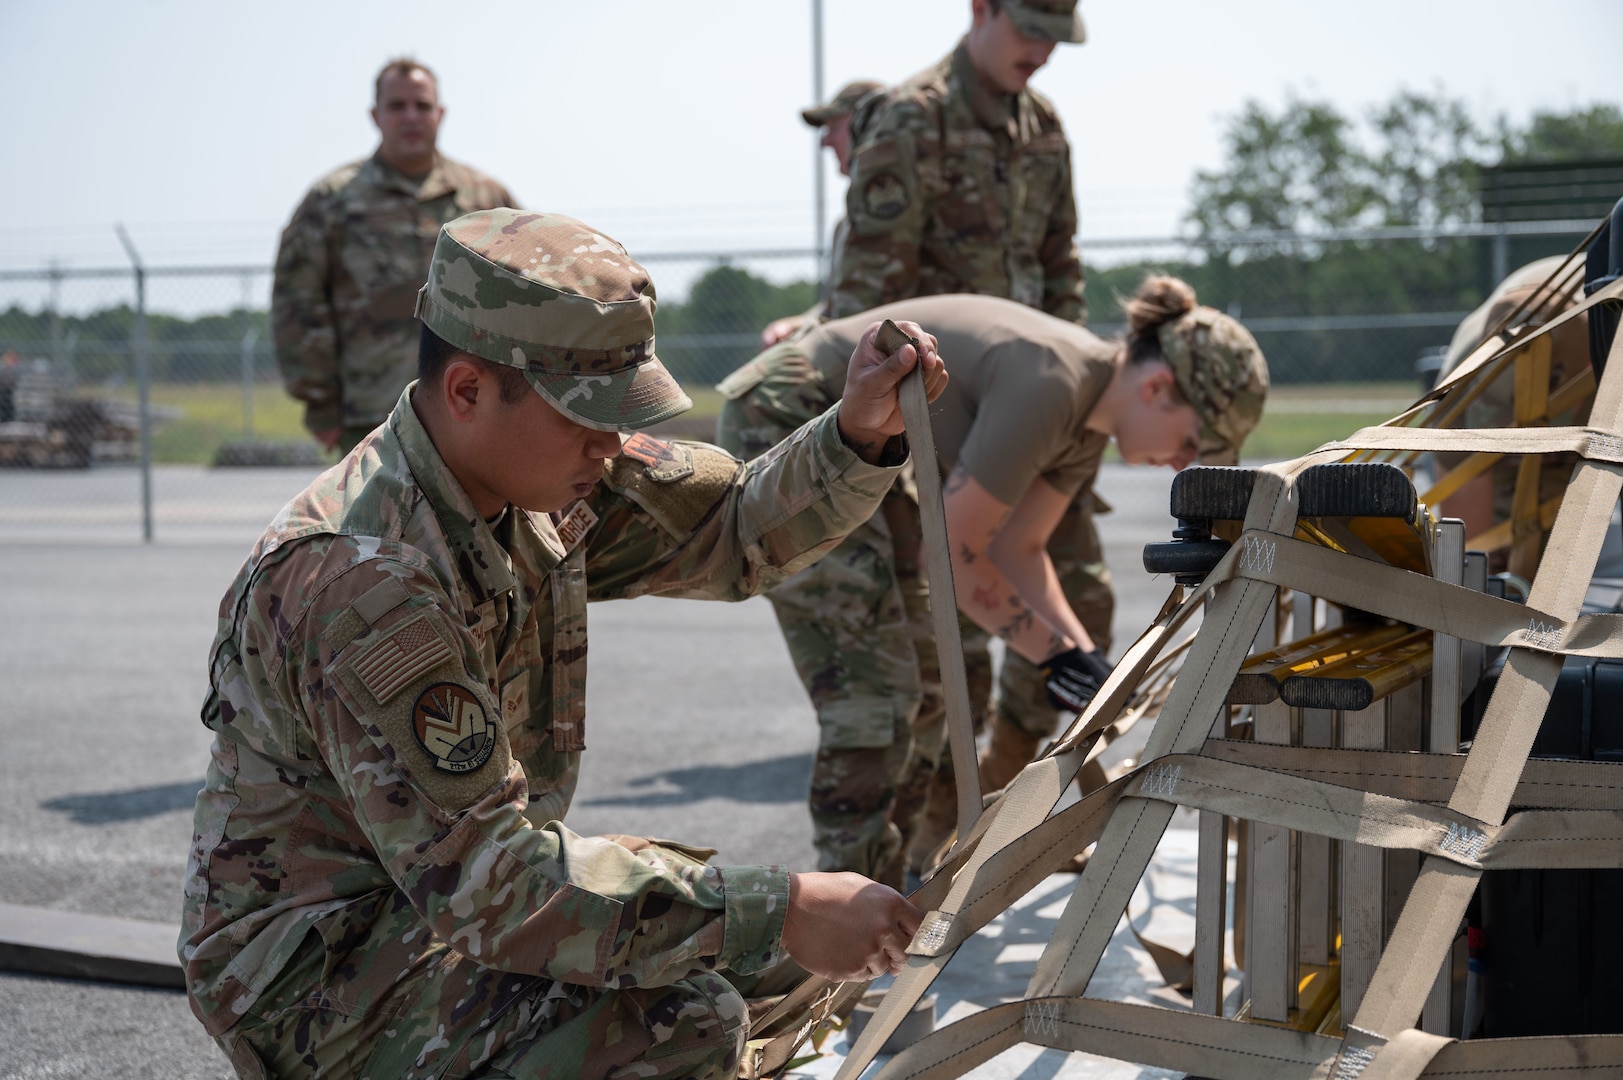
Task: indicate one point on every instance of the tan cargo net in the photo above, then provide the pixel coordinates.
(1461, 813)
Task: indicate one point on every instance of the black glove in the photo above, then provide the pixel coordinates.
(1073, 677)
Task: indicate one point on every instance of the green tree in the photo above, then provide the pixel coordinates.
(1423, 170)
(1580, 135)
(718, 326)
(1298, 171)
(1307, 168)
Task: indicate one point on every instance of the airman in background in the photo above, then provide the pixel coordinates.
(961, 182)
(834, 119)
(1019, 434)
(354, 254)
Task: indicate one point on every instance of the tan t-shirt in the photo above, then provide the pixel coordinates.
(1022, 384)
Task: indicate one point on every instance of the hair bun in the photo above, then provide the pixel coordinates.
(1161, 298)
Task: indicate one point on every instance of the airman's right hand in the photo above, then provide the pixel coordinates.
(846, 927)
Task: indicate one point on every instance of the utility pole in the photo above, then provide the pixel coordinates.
(819, 209)
(143, 379)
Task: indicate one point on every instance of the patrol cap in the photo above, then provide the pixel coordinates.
(1221, 372)
(841, 103)
(1047, 20)
(550, 295)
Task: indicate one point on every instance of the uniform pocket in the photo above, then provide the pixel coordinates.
(972, 204)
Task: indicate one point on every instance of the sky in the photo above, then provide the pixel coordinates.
(673, 125)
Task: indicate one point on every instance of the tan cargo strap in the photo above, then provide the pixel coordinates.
(1424, 931)
(1414, 598)
(1209, 1046)
(1182, 765)
(943, 598)
(1586, 442)
(1485, 354)
(1546, 783)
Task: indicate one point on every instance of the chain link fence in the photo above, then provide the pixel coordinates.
(128, 393)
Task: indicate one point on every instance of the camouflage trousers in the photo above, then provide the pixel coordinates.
(398, 1003)
(857, 625)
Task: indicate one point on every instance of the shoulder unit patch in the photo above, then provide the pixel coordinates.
(452, 727)
(884, 195)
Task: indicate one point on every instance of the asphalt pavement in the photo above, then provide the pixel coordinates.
(697, 730)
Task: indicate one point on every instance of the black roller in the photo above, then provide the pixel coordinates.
(1188, 559)
(1339, 489)
(1213, 492)
(1311, 692)
(1355, 489)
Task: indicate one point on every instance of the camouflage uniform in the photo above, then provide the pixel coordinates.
(956, 187)
(380, 882)
(347, 272)
(857, 624)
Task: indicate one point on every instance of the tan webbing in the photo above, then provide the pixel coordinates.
(1549, 783)
(1365, 797)
(943, 597)
(1231, 622)
(1425, 929)
(1417, 598)
(1588, 442)
(1024, 805)
(1213, 1047)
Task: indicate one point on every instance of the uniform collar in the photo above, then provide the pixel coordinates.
(993, 109)
(441, 180)
(480, 557)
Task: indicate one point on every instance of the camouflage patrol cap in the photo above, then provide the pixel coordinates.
(1047, 20)
(841, 103)
(1221, 372)
(565, 303)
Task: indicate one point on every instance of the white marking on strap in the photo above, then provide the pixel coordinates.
(935, 935)
(1464, 841)
(1257, 554)
(1541, 635)
(1042, 1019)
(1161, 780)
(1354, 1060)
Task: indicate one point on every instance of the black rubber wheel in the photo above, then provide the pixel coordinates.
(1184, 557)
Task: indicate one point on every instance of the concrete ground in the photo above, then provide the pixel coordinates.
(698, 730)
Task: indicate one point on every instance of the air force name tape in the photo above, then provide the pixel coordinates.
(572, 527)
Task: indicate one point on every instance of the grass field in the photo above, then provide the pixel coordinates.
(195, 418)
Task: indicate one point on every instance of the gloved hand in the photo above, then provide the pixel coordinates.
(1073, 677)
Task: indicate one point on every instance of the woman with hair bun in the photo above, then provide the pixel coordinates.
(1019, 432)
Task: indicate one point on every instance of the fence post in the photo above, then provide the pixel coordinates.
(143, 378)
(1501, 255)
(249, 339)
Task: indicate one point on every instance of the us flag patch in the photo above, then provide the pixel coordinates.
(389, 667)
(665, 461)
